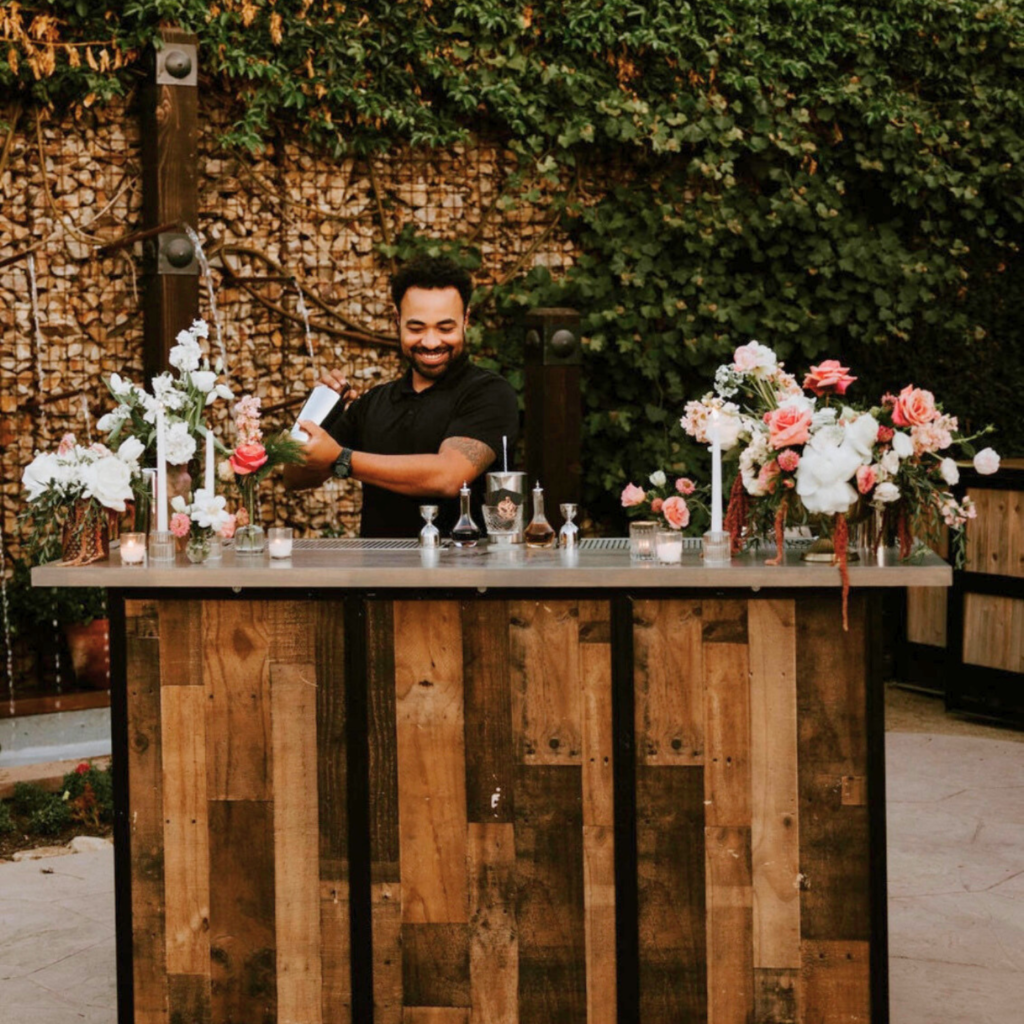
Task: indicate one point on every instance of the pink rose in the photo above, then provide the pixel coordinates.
(828, 376)
(866, 479)
(789, 460)
(684, 485)
(676, 512)
(656, 504)
(180, 524)
(787, 426)
(885, 434)
(632, 495)
(767, 477)
(913, 406)
(227, 531)
(247, 458)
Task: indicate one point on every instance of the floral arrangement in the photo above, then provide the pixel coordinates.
(806, 455)
(255, 456)
(75, 491)
(200, 520)
(667, 503)
(184, 398)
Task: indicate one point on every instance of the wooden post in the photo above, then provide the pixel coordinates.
(169, 195)
(553, 409)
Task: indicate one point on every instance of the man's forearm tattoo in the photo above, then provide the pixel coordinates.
(478, 453)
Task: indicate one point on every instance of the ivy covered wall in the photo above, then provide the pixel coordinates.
(828, 177)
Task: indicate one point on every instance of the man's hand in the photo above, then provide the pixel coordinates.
(321, 449)
(337, 381)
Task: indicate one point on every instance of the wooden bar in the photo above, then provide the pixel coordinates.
(487, 858)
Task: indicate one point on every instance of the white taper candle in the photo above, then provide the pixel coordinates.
(210, 479)
(716, 475)
(161, 471)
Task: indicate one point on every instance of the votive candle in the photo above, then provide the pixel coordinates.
(279, 542)
(133, 548)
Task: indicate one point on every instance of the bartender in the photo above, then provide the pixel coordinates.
(414, 441)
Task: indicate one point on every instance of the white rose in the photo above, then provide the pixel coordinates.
(861, 435)
(986, 462)
(224, 471)
(657, 478)
(130, 451)
(179, 444)
(890, 463)
(39, 474)
(826, 467)
(902, 445)
(109, 481)
(204, 380)
(949, 472)
(885, 493)
(755, 358)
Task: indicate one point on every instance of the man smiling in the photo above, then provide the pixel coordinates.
(414, 441)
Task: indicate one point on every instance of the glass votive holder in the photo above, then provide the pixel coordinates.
(216, 548)
(643, 536)
(279, 541)
(717, 550)
(133, 549)
(163, 547)
(669, 547)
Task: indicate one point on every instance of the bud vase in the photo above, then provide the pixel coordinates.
(197, 549)
(250, 539)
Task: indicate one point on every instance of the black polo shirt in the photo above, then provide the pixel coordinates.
(394, 419)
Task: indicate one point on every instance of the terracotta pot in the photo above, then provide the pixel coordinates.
(90, 652)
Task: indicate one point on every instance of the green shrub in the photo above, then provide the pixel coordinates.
(6, 821)
(89, 794)
(51, 818)
(28, 798)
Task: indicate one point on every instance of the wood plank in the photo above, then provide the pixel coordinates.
(550, 905)
(296, 842)
(382, 742)
(836, 983)
(993, 628)
(926, 616)
(995, 539)
(242, 942)
(434, 1015)
(494, 935)
(776, 993)
(546, 697)
(595, 657)
(671, 894)
(188, 999)
(145, 799)
(431, 761)
(599, 914)
(775, 804)
(332, 798)
(669, 680)
(727, 778)
(186, 830)
(435, 965)
(490, 769)
(730, 926)
(236, 670)
(386, 923)
(181, 659)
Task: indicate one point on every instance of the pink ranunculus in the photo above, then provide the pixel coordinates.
(828, 377)
(656, 505)
(867, 477)
(914, 406)
(632, 496)
(676, 512)
(180, 524)
(684, 485)
(885, 434)
(768, 476)
(789, 460)
(247, 458)
(227, 531)
(788, 425)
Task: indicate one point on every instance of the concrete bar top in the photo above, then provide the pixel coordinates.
(326, 565)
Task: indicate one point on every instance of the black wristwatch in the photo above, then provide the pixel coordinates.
(342, 464)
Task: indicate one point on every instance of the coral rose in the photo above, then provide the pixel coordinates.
(676, 512)
(656, 505)
(913, 406)
(788, 425)
(867, 477)
(247, 458)
(828, 377)
(632, 496)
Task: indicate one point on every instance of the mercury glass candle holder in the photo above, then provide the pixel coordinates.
(643, 535)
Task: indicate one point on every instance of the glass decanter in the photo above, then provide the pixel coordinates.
(430, 535)
(569, 534)
(540, 533)
(465, 533)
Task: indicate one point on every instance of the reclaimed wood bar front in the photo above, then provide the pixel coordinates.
(358, 789)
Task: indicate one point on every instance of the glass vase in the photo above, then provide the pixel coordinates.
(197, 548)
(250, 539)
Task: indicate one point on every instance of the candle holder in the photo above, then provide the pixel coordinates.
(717, 549)
(279, 542)
(642, 540)
(133, 549)
(162, 547)
(669, 547)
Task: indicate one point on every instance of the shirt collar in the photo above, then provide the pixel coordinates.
(449, 380)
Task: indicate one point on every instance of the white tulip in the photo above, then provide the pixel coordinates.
(657, 478)
(204, 380)
(130, 451)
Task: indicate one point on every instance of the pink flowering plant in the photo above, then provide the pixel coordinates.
(805, 453)
(680, 505)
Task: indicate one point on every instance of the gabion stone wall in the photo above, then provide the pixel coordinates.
(71, 189)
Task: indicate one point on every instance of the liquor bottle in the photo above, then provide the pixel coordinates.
(465, 533)
(540, 533)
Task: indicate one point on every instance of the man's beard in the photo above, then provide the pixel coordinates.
(437, 371)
